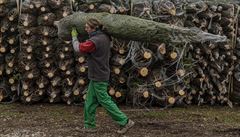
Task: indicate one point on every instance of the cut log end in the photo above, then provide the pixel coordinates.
(81, 59)
(180, 72)
(122, 80)
(68, 72)
(76, 92)
(41, 85)
(143, 72)
(66, 49)
(47, 65)
(117, 71)
(1, 1)
(11, 18)
(43, 9)
(146, 94)
(25, 24)
(147, 55)
(50, 74)
(84, 97)
(40, 92)
(65, 14)
(91, 7)
(25, 41)
(82, 69)
(121, 61)
(118, 94)
(51, 100)
(25, 86)
(30, 75)
(12, 51)
(26, 93)
(63, 68)
(13, 88)
(158, 84)
(27, 32)
(69, 102)
(112, 91)
(11, 81)
(11, 41)
(53, 95)
(171, 100)
(162, 49)
(3, 49)
(173, 55)
(29, 57)
(181, 92)
(10, 64)
(82, 82)
(28, 99)
(121, 51)
(29, 49)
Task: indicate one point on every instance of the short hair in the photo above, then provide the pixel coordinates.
(94, 23)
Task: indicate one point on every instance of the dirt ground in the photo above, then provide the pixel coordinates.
(17, 120)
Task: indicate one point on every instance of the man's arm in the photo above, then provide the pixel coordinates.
(85, 47)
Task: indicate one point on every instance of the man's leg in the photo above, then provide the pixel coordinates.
(105, 100)
(90, 107)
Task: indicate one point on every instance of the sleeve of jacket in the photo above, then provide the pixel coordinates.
(85, 47)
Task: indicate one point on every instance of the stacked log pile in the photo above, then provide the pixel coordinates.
(215, 65)
(180, 55)
(46, 62)
(9, 47)
(208, 66)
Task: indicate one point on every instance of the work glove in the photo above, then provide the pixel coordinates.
(74, 32)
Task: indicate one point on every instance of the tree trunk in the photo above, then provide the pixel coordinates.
(135, 29)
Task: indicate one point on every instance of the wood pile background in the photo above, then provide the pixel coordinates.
(143, 74)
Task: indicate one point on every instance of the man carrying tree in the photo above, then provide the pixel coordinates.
(97, 49)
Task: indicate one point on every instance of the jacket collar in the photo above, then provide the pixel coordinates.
(94, 33)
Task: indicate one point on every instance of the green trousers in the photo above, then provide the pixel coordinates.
(97, 95)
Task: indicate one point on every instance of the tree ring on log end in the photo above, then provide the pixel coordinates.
(28, 99)
(11, 81)
(171, 100)
(146, 94)
(147, 55)
(144, 71)
(118, 94)
(82, 69)
(112, 91)
(25, 93)
(158, 84)
(116, 70)
(81, 82)
(181, 92)
(81, 59)
(173, 55)
(76, 92)
(84, 97)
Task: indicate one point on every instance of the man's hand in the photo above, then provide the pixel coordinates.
(74, 32)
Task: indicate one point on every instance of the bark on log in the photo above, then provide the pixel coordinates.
(135, 29)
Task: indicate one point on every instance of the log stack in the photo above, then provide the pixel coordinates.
(214, 69)
(46, 62)
(9, 47)
(202, 73)
(185, 52)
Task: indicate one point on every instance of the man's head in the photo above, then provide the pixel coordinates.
(92, 25)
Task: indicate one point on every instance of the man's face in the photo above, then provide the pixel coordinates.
(88, 29)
